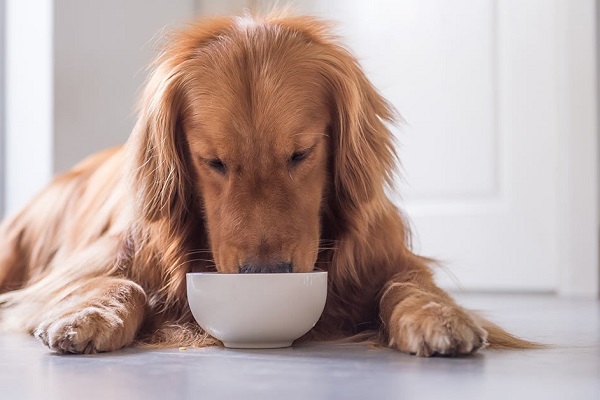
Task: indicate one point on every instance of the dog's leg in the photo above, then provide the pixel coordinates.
(102, 314)
(422, 319)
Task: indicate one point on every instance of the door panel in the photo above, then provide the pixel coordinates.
(475, 83)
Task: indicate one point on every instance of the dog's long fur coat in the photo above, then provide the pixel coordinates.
(260, 145)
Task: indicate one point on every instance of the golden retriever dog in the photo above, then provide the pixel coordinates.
(261, 146)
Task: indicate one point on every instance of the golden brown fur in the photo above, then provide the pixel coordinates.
(260, 144)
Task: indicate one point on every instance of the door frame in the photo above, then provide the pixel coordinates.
(577, 116)
(2, 102)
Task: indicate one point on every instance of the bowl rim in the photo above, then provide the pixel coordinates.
(258, 274)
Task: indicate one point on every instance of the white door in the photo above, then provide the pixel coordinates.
(490, 98)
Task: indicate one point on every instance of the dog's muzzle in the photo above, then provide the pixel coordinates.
(278, 268)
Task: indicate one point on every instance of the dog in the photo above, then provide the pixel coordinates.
(261, 146)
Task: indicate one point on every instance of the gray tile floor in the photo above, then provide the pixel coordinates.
(571, 370)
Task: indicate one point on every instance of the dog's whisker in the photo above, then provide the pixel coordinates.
(182, 264)
(198, 252)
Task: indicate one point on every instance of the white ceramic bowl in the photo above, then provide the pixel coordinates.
(257, 310)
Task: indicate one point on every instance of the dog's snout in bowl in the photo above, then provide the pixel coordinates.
(266, 268)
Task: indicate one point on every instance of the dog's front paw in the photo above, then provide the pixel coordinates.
(89, 330)
(430, 327)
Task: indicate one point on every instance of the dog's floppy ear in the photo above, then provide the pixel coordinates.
(157, 146)
(363, 153)
(159, 171)
(363, 158)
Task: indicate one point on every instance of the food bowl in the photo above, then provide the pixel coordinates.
(257, 310)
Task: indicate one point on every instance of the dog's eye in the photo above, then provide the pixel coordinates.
(299, 156)
(217, 165)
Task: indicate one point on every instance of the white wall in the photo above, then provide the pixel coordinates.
(222, 7)
(73, 71)
(101, 50)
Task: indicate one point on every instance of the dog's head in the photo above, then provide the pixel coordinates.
(262, 126)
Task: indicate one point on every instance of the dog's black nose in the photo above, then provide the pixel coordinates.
(255, 268)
